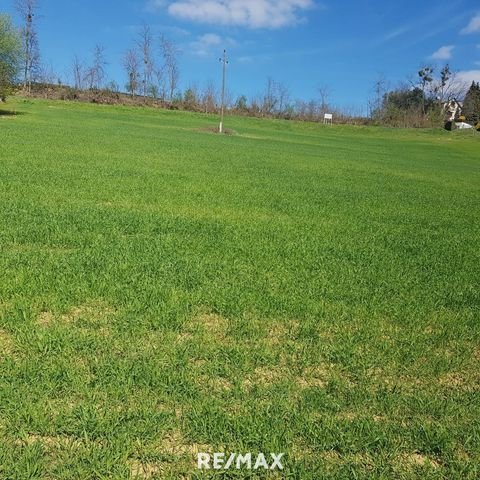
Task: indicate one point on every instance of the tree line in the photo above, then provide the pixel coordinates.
(152, 75)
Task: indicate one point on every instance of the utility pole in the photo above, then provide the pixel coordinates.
(224, 60)
(28, 33)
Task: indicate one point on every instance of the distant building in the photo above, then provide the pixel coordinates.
(453, 109)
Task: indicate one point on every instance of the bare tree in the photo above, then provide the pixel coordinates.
(448, 86)
(78, 70)
(145, 46)
(283, 97)
(270, 99)
(113, 87)
(256, 104)
(95, 75)
(46, 74)
(301, 108)
(209, 98)
(170, 59)
(312, 110)
(274, 98)
(31, 54)
(35, 63)
(228, 99)
(324, 91)
(380, 88)
(131, 63)
(99, 64)
(161, 84)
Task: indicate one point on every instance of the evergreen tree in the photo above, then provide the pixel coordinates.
(471, 105)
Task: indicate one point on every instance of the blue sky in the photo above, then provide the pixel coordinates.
(345, 45)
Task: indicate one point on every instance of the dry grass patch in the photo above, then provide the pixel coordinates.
(269, 375)
(281, 333)
(184, 337)
(363, 460)
(332, 459)
(211, 326)
(140, 469)
(183, 453)
(350, 416)
(462, 455)
(301, 450)
(212, 323)
(315, 377)
(331, 456)
(265, 377)
(215, 384)
(310, 383)
(178, 411)
(174, 443)
(460, 381)
(94, 311)
(476, 353)
(6, 344)
(198, 363)
(406, 382)
(45, 318)
(347, 415)
(50, 443)
(412, 460)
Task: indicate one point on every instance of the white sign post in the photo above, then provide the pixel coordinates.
(328, 118)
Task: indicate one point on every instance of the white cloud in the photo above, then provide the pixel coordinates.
(246, 13)
(206, 44)
(211, 39)
(245, 59)
(153, 5)
(203, 44)
(396, 33)
(468, 76)
(473, 26)
(443, 53)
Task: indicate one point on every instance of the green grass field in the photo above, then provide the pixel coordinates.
(289, 288)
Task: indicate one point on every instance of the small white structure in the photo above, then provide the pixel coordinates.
(328, 118)
(463, 126)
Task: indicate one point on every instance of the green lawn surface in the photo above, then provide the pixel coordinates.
(291, 287)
